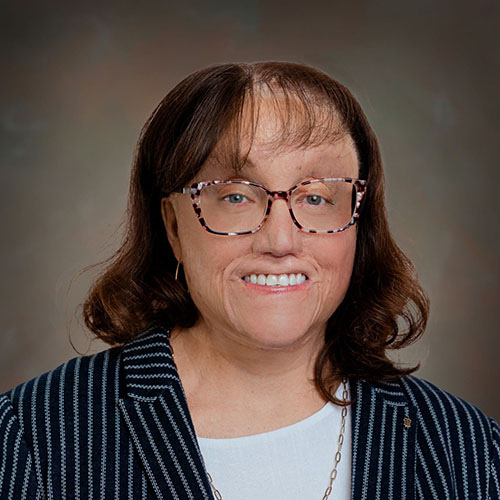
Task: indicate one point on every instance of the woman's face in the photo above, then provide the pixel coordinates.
(215, 266)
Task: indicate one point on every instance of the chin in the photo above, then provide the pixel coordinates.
(277, 333)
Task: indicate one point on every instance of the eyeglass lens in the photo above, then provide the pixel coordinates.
(320, 205)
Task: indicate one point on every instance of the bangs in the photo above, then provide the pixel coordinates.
(215, 116)
(293, 116)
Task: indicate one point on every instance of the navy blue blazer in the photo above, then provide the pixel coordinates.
(116, 425)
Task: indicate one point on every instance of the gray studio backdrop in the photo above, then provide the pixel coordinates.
(79, 80)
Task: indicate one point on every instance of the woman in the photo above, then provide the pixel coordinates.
(251, 308)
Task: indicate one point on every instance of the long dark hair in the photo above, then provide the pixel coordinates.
(385, 306)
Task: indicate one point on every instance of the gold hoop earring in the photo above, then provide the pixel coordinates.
(177, 269)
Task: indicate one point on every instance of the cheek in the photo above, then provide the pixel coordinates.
(336, 263)
(208, 262)
(202, 271)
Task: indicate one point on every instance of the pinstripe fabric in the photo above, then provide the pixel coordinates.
(116, 425)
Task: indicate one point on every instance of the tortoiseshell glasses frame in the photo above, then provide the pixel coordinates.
(195, 189)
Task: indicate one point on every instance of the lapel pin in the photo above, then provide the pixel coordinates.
(407, 422)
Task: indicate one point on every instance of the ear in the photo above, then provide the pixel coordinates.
(170, 222)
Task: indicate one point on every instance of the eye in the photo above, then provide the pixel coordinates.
(235, 198)
(314, 199)
(313, 195)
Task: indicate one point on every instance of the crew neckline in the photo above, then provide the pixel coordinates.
(327, 409)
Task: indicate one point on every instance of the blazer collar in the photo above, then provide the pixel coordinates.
(148, 365)
(384, 428)
(156, 415)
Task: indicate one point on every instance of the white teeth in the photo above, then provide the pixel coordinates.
(283, 280)
(272, 280)
(276, 279)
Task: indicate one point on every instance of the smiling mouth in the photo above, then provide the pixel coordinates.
(276, 279)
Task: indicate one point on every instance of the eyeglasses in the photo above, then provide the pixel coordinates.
(236, 207)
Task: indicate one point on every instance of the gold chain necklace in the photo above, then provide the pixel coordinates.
(338, 456)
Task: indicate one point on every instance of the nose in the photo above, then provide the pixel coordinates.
(279, 235)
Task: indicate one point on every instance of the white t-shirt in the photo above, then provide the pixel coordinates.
(291, 463)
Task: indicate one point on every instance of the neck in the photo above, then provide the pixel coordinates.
(217, 363)
(237, 389)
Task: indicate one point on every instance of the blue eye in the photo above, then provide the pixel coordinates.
(235, 198)
(314, 199)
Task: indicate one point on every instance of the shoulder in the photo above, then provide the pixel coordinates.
(78, 374)
(450, 422)
(452, 437)
(427, 398)
(86, 386)
(441, 407)
(52, 401)
(90, 381)
(444, 420)
(453, 428)
(35, 416)
(435, 407)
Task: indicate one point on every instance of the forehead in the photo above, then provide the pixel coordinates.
(329, 160)
(276, 135)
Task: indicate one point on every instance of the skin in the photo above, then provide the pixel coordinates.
(247, 365)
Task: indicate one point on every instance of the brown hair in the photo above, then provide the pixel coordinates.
(204, 110)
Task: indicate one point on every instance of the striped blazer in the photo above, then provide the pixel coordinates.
(116, 425)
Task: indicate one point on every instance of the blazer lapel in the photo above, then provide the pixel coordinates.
(156, 415)
(384, 429)
(155, 411)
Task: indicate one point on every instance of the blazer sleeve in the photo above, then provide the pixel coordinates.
(494, 481)
(17, 471)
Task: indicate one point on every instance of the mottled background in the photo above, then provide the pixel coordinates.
(80, 79)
